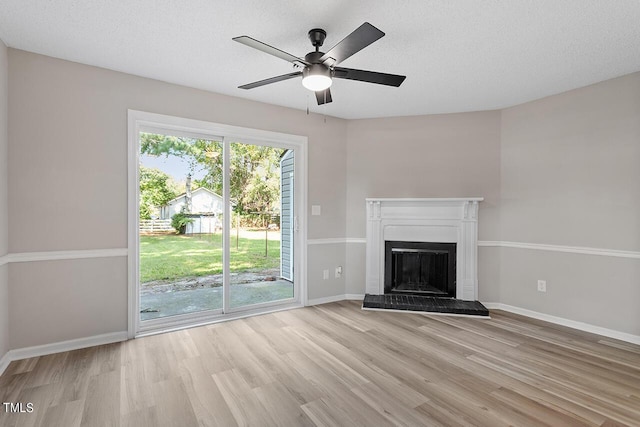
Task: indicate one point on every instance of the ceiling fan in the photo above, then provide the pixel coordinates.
(319, 68)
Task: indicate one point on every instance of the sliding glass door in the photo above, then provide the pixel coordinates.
(262, 206)
(216, 224)
(181, 225)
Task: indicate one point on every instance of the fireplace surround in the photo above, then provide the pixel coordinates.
(434, 220)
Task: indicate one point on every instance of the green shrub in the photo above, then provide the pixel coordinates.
(179, 221)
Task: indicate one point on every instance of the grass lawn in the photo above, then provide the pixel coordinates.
(174, 256)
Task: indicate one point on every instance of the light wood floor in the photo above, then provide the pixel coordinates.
(335, 364)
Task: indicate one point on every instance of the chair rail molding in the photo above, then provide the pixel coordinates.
(584, 250)
(560, 248)
(62, 255)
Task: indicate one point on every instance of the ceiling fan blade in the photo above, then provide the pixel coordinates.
(368, 76)
(256, 44)
(362, 37)
(271, 80)
(323, 96)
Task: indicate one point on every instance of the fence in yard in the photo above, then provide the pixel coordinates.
(149, 226)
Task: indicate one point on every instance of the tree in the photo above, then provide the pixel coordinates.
(156, 189)
(254, 181)
(262, 188)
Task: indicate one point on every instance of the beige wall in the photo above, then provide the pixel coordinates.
(489, 274)
(449, 155)
(561, 170)
(598, 290)
(4, 310)
(68, 163)
(570, 176)
(53, 301)
(326, 257)
(570, 173)
(4, 201)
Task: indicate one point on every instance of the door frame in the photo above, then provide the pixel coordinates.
(140, 121)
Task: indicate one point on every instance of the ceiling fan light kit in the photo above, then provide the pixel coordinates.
(316, 77)
(319, 68)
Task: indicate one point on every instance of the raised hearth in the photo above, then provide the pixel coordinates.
(424, 304)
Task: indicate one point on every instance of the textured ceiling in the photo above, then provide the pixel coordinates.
(462, 55)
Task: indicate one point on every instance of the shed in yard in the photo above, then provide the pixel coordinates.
(203, 206)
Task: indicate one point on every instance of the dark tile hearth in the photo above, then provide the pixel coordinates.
(426, 304)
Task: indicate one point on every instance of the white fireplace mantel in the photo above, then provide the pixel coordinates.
(450, 220)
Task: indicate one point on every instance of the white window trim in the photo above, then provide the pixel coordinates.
(140, 121)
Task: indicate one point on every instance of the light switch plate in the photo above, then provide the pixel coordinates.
(315, 210)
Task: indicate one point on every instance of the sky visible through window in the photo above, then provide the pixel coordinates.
(175, 166)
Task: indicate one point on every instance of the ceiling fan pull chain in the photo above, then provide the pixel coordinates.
(325, 106)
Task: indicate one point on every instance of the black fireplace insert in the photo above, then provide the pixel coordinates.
(420, 268)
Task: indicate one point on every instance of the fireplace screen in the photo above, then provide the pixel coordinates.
(420, 268)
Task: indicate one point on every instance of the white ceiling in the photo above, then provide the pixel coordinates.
(461, 55)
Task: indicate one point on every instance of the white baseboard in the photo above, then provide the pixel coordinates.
(586, 327)
(4, 362)
(57, 347)
(325, 300)
(335, 298)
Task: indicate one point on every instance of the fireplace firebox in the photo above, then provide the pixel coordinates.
(420, 268)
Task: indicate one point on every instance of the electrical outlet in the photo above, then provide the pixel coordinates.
(325, 274)
(338, 272)
(542, 286)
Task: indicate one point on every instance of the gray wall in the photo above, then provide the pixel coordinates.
(570, 176)
(67, 172)
(449, 155)
(561, 170)
(4, 201)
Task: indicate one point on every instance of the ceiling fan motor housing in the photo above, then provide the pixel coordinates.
(313, 57)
